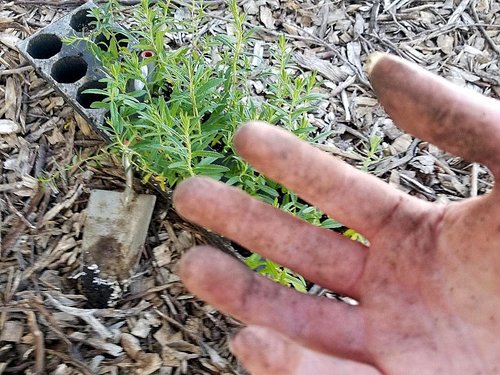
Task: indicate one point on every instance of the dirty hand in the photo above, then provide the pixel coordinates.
(428, 285)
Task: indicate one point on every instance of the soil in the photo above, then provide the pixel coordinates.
(51, 160)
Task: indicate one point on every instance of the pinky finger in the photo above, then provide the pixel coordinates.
(264, 351)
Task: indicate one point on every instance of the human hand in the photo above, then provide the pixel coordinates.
(428, 284)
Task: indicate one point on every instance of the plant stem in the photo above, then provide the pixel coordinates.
(193, 96)
(187, 140)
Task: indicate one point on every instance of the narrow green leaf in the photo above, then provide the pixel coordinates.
(210, 169)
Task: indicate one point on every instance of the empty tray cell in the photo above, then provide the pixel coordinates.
(44, 46)
(86, 99)
(104, 42)
(69, 69)
(82, 21)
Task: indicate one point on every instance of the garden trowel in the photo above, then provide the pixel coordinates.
(115, 230)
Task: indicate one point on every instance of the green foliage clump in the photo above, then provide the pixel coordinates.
(176, 110)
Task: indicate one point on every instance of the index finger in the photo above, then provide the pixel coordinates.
(358, 200)
(455, 118)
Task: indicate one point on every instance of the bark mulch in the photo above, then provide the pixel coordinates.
(50, 160)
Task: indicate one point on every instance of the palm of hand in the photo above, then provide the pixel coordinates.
(429, 299)
(427, 285)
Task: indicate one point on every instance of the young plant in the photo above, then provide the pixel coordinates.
(373, 148)
(175, 109)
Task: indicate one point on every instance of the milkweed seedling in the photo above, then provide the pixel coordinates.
(181, 119)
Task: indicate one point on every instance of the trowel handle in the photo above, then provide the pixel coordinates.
(127, 166)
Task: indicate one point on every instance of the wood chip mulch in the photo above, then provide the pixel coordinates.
(51, 160)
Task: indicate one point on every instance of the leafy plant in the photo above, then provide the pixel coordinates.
(282, 275)
(175, 109)
(372, 149)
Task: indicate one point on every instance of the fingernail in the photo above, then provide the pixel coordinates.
(373, 59)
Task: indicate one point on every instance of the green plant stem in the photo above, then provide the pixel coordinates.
(185, 120)
(193, 95)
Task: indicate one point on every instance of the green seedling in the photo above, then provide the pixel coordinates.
(182, 120)
(372, 150)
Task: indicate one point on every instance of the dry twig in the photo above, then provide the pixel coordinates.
(38, 342)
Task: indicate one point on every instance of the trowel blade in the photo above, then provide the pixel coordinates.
(115, 232)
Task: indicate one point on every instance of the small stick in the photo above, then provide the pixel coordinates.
(19, 70)
(332, 149)
(87, 315)
(81, 366)
(39, 343)
(11, 238)
(13, 209)
(483, 32)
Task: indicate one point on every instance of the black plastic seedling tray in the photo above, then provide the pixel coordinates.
(70, 69)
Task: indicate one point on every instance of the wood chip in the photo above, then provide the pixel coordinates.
(12, 331)
(8, 127)
(266, 17)
(175, 332)
(141, 328)
(323, 67)
(401, 144)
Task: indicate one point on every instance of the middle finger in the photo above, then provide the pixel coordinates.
(319, 254)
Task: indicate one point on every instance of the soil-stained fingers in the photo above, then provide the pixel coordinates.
(263, 352)
(457, 119)
(320, 255)
(356, 199)
(316, 322)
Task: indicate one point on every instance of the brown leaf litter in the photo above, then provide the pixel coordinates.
(50, 160)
